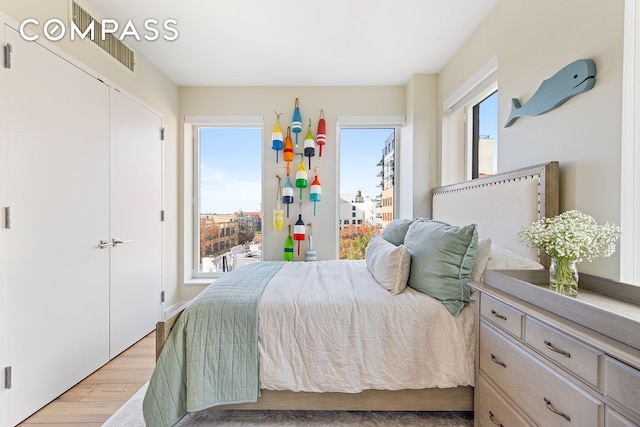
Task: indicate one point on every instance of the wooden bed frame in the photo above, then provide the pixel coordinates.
(531, 193)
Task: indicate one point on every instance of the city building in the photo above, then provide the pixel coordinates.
(356, 209)
(387, 181)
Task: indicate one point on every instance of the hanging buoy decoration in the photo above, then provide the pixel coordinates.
(321, 135)
(301, 177)
(288, 149)
(296, 121)
(299, 229)
(309, 145)
(278, 213)
(288, 247)
(311, 254)
(315, 193)
(276, 136)
(287, 194)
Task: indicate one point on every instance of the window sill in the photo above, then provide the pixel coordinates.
(199, 281)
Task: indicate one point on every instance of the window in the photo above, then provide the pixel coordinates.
(461, 158)
(227, 198)
(484, 142)
(367, 185)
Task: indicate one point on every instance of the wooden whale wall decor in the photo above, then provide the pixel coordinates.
(575, 78)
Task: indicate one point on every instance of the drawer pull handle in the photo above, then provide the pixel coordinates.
(497, 361)
(556, 349)
(493, 419)
(499, 316)
(550, 407)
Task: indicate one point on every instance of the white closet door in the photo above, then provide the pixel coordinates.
(57, 128)
(136, 203)
(4, 304)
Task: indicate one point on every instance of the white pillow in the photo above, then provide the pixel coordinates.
(501, 258)
(482, 258)
(389, 264)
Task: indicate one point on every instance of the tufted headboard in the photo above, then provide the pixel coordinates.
(501, 204)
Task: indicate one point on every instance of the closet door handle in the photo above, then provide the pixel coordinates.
(550, 407)
(118, 242)
(556, 349)
(104, 244)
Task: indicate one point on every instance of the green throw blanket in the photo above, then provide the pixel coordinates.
(211, 356)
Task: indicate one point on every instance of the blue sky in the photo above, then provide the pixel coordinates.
(489, 116)
(360, 152)
(231, 172)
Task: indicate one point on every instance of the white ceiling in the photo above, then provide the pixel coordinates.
(300, 42)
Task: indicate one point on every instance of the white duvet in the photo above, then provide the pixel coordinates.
(328, 326)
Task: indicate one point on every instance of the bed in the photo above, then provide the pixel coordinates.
(336, 311)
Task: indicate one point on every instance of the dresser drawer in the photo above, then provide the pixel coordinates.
(614, 419)
(578, 358)
(548, 398)
(501, 315)
(493, 409)
(622, 383)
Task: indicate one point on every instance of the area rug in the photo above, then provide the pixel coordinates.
(130, 415)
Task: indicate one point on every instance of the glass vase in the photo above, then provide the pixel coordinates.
(563, 276)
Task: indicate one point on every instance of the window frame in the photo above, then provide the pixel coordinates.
(472, 131)
(474, 142)
(369, 122)
(191, 229)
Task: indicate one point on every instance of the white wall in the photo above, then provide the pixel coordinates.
(146, 83)
(263, 101)
(419, 146)
(533, 40)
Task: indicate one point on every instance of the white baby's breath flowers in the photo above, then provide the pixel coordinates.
(572, 235)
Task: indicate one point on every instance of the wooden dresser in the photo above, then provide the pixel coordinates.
(548, 360)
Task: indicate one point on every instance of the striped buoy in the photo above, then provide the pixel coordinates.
(278, 213)
(309, 145)
(321, 135)
(311, 254)
(301, 177)
(299, 230)
(296, 121)
(278, 219)
(288, 247)
(315, 192)
(276, 137)
(287, 194)
(288, 149)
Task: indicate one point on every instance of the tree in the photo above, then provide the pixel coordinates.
(245, 235)
(354, 240)
(209, 232)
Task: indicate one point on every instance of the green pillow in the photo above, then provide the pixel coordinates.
(442, 258)
(395, 231)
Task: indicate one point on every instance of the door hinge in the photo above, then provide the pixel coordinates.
(7, 217)
(7, 377)
(162, 215)
(162, 296)
(7, 55)
(161, 134)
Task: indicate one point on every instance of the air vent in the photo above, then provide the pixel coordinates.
(110, 44)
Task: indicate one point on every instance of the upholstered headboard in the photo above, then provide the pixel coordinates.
(501, 204)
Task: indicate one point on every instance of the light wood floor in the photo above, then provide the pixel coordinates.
(92, 401)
